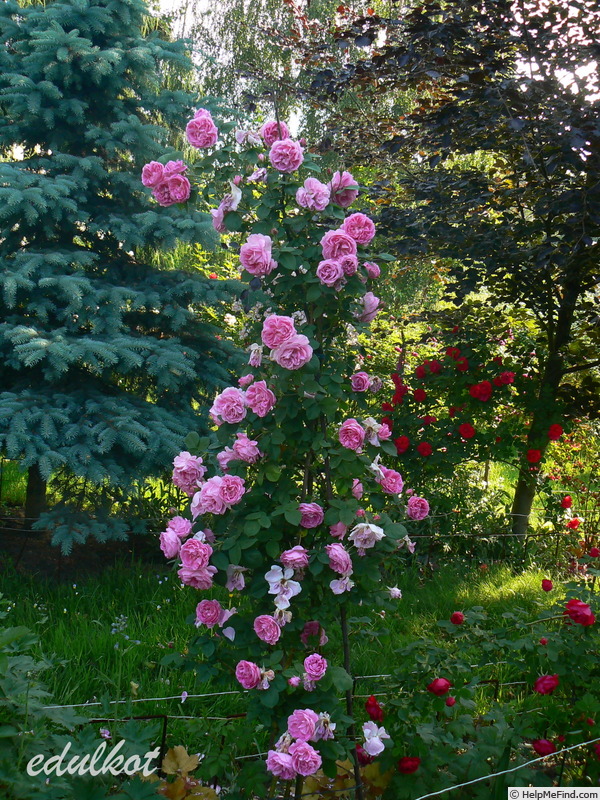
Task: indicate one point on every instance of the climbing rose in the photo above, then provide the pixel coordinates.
(351, 435)
(374, 710)
(295, 558)
(294, 353)
(208, 612)
(248, 674)
(579, 612)
(363, 757)
(273, 131)
(543, 747)
(339, 559)
(457, 618)
(466, 430)
(246, 449)
(372, 269)
(533, 456)
(305, 759)
(546, 684)
(373, 738)
(280, 765)
(424, 449)
(313, 628)
(402, 444)
(315, 667)
(594, 552)
(152, 174)
(312, 515)
(567, 501)
(267, 629)
(201, 131)
(276, 330)
(218, 495)
(302, 724)
(349, 264)
(286, 155)
(365, 535)
(170, 543)
(370, 308)
(195, 554)
(314, 195)
(417, 508)
(450, 701)
(574, 523)
(439, 686)
(255, 255)
(555, 432)
(180, 526)
(357, 489)
(360, 227)
(197, 578)
(547, 585)
(481, 391)
(360, 382)
(260, 398)
(390, 481)
(229, 406)
(330, 272)
(188, 472)
(408, 764)
(336, 244)
(341, 193)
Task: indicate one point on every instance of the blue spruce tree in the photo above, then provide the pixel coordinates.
(103, 357)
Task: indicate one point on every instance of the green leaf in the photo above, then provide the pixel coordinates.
(273, 472)
(269, 698)
(313, 293)
(293, 516)
(233, 221)
(340, 678)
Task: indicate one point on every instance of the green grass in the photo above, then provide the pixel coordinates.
(13, 484)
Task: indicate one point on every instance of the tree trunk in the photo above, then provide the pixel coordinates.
(522, 503)
(35, 501)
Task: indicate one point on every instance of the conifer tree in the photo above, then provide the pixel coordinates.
(103, 357)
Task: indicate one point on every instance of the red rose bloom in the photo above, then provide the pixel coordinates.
(387, 421)
(555, 432)
(420, 395)
(597, 749)
(457, 618)
(579, 612)
(534, 456)
(408, 765)
(546, 684)
(594, 552)
(373, 709)
(428, 419)
(363, 757)
(507, 377)
(543, 747)
(420, 371)
(547, 585)
(439, 686)
(497, 381)
(452, 352)
(543, 640)
(212, 275)
(402, 444)
(567, 501)
(450, 701)
(481, 391)
(573, 524)
(462, 365)
(434, 367)
(387, 407)
(452, 411)
(466, 430)
(424, 449)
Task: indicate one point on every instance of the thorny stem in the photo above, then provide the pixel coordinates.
(298, 787)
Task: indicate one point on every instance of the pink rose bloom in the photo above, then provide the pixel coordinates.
(336, 244)
(255, 255)
(232, 489)
(338, 530)
(162, 193)
(360, 227)
(349, 264)
(315, 667)
(218, 219)
(286, 155)
(302, 724)
(373, 271)
(208, 612)
(246, 449)
(360, 382)
(256, 353)
(195, 554)
(280, 765)
(341, 193)
(225, 457)
(197, 578)
(188, 472)
(294, 353)
(209, 499)
(312, 515)
(180, 526)
(179, 188)
(235, 578)
(418, 508)
(384, 432)
(365, 535)
(305, 759)
(357, 489)
(274, 131)
(330, 272)
(259, 398)
(246, 380)
(258, 176)
(390, 481)
(152, 174)
(276, 330)
(352, 435)
(267, 629)
(342, 585)
(229, 406)
(248, 674)
(201, 131)
(174, 168)
(314, 195)
(313, 628)
(370, 308)
(170, 543)
(339, 559)
(295, 558)
(294, 681)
